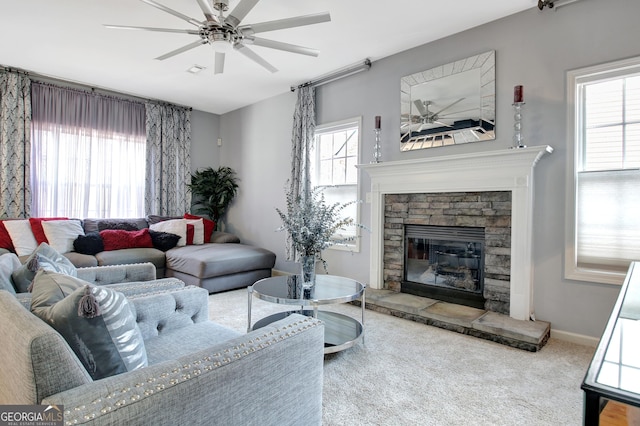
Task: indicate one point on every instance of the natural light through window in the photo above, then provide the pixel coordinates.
(606, 230)
(333, 166)
(88, 155)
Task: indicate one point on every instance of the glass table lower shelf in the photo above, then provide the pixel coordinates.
(340, 331)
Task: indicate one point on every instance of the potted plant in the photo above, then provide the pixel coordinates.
(311, 225)
(213, 191)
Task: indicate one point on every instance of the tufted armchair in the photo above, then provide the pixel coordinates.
(199, 372)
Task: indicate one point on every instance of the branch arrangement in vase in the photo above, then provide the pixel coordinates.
(312, 224)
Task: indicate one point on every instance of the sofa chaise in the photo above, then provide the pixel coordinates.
(220, 263)
(198, 373)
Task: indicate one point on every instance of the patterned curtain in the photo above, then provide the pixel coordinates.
(304, 126)
(15, 144)
(168, 160)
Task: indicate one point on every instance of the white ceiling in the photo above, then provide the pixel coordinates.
(66, 39)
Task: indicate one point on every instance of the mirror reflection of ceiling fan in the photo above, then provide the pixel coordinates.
(226, 34)
(427, 117)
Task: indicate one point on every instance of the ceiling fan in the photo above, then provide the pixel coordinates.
(225, 33)
(428, 117)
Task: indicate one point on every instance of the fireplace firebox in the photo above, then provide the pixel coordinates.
(445, 263)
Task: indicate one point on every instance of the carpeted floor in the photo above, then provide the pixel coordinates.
(408, 373)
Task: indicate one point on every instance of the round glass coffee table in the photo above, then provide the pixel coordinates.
(340, 331)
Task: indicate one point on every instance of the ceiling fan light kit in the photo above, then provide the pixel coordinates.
(225, 34)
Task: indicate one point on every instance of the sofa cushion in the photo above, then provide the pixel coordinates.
(118, 225)
(80, 260)
(164, 240)
(198, 230)
(5, 238)
(62, 233)
(93, 225)
(115, 239)
(186, 340)
(21, 235)
(209, 226)
(8, 263)
(211, 260)
(90, 243)
(153, 218)
(131, 255)
(38, 231)
(173, 226)
(45, 257)
(96, 322)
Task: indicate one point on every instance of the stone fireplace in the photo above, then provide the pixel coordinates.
(481, 174)
(450, 246)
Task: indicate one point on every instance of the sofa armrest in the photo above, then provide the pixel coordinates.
(103, 275)
(269, 376)
(163, 311)
(223, 237)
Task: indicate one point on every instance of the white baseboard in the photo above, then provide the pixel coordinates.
(278, 273)
(575, 338)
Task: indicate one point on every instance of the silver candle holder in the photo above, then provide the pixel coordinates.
(517, 125)
(518, 101)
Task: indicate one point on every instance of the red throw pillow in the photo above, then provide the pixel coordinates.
(5, 239)
(190, 232)
(209, 226)
(38, 231)
(116, 239)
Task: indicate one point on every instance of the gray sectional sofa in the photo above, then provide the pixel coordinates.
(223, 263)
(199, 372)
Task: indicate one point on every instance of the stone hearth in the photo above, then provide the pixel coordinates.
(527, 335)
(488, 210)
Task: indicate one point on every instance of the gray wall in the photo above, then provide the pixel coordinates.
(205, 129)
(534, 49)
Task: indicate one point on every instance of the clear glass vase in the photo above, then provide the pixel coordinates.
(308, 264)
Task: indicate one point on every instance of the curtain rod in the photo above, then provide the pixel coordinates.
(43, 78)
(333, 76)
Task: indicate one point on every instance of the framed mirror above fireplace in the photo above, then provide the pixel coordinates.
(449, 104)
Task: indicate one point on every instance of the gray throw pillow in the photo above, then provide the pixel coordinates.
(96, 322)
(44, 257)
(9, 262)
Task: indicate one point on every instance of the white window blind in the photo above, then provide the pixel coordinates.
(608, 179)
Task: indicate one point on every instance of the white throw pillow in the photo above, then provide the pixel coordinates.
(173, 226)
(62, 233)
(21, 236)
(198, 230)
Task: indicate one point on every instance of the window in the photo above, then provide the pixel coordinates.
(88, 154)
(603, 228)
(333, 166)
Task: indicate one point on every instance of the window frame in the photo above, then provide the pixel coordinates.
(353, 246)
(575, 134)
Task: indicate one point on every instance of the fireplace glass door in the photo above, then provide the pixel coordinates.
(449, 260)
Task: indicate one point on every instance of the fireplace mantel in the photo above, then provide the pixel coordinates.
(500, 170)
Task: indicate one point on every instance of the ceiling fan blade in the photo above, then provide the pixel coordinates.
(239, 12)
(287, 47)
(281, 24)
(448, 106)
(181, 50)
(162, 30)
(442, 124)
(219, 63)
(208, 10)
(173, 12)
(254, 57)
(421, 109)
